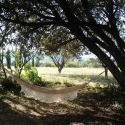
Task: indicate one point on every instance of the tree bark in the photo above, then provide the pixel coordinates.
(106, 71)
(60, 69)
(116, 72)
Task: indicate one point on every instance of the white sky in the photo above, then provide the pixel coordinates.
(89, 56)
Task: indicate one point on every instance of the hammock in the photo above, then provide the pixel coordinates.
(48, 95)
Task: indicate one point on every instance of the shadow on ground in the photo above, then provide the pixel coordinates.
(94, 78)
(92, 107)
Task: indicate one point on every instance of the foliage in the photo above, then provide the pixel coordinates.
(31, 74)
(58, 36)
(8, 84)
(115, 96)
(8, 59)
(59, 60)
(60, 55)
(47, 64)
(54, 84)
(72, 64)
(96, 24)
(18, 59)
(91, 62)
(67, 84)
(37, 63)
(21, 58)
(33, 62)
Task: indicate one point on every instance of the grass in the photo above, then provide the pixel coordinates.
(75, 75)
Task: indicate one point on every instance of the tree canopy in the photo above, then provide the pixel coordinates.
(97, 24)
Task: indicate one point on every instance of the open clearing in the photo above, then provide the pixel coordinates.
(76, 75)
(70, 71)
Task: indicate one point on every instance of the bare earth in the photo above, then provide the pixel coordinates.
(90, 108)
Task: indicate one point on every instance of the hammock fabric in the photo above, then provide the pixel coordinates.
(45, 94)
(48, 95)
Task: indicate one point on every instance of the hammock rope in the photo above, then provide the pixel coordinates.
(49, 95)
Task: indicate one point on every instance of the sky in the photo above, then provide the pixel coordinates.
(89, 56)
(47, 59)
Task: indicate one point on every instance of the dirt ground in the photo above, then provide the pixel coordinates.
(91, 107)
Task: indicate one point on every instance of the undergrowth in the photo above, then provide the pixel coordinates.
(31, 74)
(113, 95)
(7, 84)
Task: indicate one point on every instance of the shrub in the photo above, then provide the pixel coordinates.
(71, 64)
(8, 84)
(31, 74)
(67, 84)
(47, 64)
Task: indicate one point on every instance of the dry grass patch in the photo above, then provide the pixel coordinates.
(85, 71)
(74, 75)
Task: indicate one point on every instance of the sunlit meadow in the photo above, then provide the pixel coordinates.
(75, 75)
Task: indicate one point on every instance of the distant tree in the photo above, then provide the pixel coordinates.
(59, 53)
(4, 41)
(33, 63)
(106, 69)
(59, 61)
(21, 59)
(37, 63)
(8, 59)
(92, 62)
(22, 51)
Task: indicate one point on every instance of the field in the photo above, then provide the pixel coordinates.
(93, 106)
(76, 75)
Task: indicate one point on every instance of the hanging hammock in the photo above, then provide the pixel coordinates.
(48, 95)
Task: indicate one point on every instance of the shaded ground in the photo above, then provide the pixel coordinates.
(92, 107)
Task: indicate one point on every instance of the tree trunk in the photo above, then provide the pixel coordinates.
(4, 73)
(106, 71)
(116, 72)
(60, 69)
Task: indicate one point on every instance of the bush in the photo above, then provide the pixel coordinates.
(55, 84)
(31, 74)
(67, 84)
(71, 64)
(7, 84)
(47, 65)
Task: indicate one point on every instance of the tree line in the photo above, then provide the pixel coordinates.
(17, 60)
